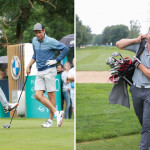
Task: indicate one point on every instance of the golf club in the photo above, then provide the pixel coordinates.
(8, 125)
(115, 54)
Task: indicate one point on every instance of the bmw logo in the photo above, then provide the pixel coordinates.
(15, 67)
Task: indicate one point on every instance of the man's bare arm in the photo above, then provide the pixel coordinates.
(28, 69)
(125, 42)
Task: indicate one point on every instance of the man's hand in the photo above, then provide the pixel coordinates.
(136, 61)
(28, 70)
(50, 62)
(140, 38)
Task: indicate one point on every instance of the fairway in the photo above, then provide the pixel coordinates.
(27, 134)
(93, 58)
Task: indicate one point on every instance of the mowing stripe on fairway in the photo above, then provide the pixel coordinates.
(131, 142)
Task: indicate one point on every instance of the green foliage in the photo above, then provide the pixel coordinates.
(83, 33)
(96, 119)
(18, 18)
(110, 34)
(98, 40)
(114, 33)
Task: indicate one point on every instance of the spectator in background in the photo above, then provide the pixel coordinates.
(66, 89)
(2, 74)
(6, 73)
(60, 69)
(70, 79)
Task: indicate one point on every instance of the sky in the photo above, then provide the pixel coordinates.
(97, 14)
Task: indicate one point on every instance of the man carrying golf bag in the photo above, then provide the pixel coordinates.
(140, 89)
(44, 51)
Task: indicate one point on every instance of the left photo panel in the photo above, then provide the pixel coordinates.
(37, 73)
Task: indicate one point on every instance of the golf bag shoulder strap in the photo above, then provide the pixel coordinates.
(141, 48)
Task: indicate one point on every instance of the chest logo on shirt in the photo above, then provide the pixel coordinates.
(15, 67)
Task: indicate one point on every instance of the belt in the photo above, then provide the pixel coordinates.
(142, 87)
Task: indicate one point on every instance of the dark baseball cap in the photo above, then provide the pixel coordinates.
(38, 26)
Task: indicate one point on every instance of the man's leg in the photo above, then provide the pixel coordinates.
(6, 105)
(46, 102)
(3, 99)
(72, 100)
(39, 96)
(51, 96)
(137, 102)
(145, 135)
(67, 100)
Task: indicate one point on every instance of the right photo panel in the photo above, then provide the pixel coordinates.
(112, 75)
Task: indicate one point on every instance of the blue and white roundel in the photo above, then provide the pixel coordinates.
(15, 67)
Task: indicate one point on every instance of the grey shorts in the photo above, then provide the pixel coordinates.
(45, 80)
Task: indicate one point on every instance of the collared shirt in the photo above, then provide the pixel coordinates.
(45, 50)
(139, 78)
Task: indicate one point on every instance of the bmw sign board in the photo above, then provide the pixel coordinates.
(15, 67)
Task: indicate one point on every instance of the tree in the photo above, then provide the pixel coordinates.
(106, 35)
(118, 32)
(17, 19)
(114, 33)
(83, 33)
(98, 39)
(134, 29)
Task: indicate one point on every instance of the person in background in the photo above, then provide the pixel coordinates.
(70, 79)
(60, 69)
(66, 89)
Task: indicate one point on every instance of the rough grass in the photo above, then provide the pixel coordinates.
(96, 119)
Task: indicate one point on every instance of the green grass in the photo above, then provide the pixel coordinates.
(27, 134)
(131, 142)
(96, 119)
(93, 58)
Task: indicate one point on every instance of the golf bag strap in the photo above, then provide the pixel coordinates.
(141, 48)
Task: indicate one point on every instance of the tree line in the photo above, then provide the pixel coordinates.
(17, 19)
(109, 36)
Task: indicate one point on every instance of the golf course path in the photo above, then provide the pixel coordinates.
(92, 76)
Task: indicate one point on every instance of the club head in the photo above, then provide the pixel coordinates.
(109, 61)
(115, 54)
(6, 125)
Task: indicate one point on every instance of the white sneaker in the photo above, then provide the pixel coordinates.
(10, 107)
(47, 124)
(59, 118)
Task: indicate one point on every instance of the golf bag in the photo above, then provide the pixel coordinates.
(129, 71)
(123, 67)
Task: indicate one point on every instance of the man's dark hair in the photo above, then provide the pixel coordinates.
(42, 27)
(59, 65)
